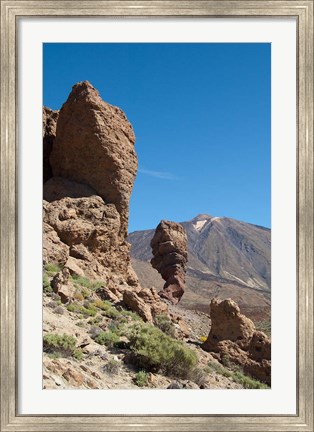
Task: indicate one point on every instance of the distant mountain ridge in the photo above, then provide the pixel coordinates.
(226, 257)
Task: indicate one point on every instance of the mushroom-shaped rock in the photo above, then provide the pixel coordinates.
(169, 246)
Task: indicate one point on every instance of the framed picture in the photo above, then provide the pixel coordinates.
(238, 75)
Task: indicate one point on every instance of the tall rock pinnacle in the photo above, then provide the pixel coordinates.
(169, 246)
(94, 145)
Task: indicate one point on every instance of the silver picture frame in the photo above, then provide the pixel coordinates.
(303, 12)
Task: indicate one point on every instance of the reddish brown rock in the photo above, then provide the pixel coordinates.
(169, 246)
(234, 337)
(260, 347)
(54, 251)
(50, 118)
(95, 146)
(74, 378)
(62, 286)
(87, 230)
(145, 302)
(260, 370)
(227, 323)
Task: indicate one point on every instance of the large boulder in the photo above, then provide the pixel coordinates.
(94, 145)
(169, 246)
(234, 337)
(227, 323)
(145, 302)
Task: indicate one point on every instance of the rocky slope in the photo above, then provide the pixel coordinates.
(226, 258)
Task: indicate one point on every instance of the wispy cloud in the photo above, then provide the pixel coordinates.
(158, 174)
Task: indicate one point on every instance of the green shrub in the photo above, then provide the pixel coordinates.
(237, 376)
(155, 351)
(218, 368)
(78, 355)
(107, 308)
(47, 289)
(131, 315)
(78, 295)
(83, 282)
(61, 346)
(112, 367)
(96, 320)
(52, 269)
(111, 313)
(247, 381)
(141, 378)
(164, 323)
(87, 311)
(107, 338)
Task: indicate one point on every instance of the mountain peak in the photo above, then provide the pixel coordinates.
(201, 217)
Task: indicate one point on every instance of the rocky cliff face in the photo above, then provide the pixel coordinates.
(235, 338)
(94, 145)
(86, 202)
(169, 246)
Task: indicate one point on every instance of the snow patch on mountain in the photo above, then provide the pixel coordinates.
(199, 224)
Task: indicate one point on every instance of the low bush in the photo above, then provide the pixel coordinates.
(83, 282)
(247, 382)
(107, 309)
(86, 311)
(61, 346)
(237, 376)
(96, 320)
(107, 338)
(133, 316)
(59, 310)
(78, 295)
(52, 269)
(47, 289)
(112, 367)
(164, 323)
(153, 350)
(141, 378)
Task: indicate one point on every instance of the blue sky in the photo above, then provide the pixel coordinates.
(201, 116)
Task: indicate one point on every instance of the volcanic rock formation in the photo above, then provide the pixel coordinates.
(234, 336)
(95, 146)
(86, 203)
(169, 246)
